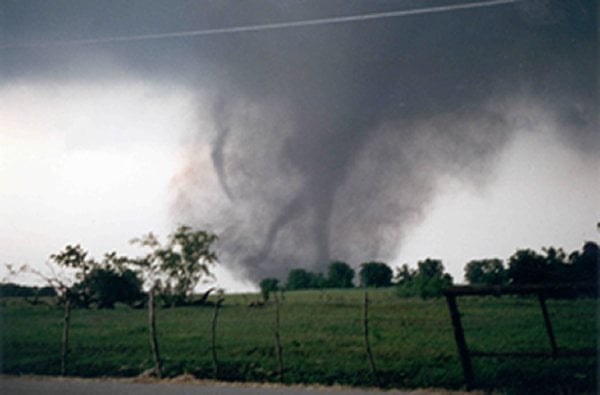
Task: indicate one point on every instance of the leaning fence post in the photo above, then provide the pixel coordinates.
(548, 324)
(461, 344)
(153, 341)
(65, 337)
(366, 336)
(278, 350)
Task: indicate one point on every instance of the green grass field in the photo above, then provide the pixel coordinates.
(322, 339)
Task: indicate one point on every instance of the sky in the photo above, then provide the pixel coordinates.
(457, 135)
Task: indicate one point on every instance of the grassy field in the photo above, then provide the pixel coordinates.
(322, 339)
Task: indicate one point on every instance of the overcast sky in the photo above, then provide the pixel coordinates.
(456, 135)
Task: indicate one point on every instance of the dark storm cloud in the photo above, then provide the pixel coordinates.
(330, 140)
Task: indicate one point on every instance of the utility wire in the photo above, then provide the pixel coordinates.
(262, 27)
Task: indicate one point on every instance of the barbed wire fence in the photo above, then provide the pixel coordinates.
(370, 332)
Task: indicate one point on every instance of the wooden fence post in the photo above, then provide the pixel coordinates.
(213, 342)
(65, 337)
(366, 338)
(278, 349)
(459, 336)
(153, 341)
(548, 324)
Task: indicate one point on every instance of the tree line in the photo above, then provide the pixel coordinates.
(339, 275)
(525, 266)
(17, 290)
(173, 269)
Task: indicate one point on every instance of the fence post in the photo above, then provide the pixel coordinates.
(548, 324)
(461, 344)
(153, 341)
(366, 336)
(214, 338)
(65, 337)
(278, 349)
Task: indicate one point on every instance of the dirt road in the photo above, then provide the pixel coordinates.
(11, 385)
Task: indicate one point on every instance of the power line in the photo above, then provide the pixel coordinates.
(262, 27)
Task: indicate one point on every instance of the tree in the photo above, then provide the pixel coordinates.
(108, 287)
(375, 274)
(317, 281)
(175, 269)
(528, 267)
(406, 285)
(404, 274)
(584, 266)
(111, 282)
(73, 257)
(427, 281)
(340, 275)
(267, 286)
(431, 278)
(298, 279)
(585, 263)
(486, 272)
(557, 266)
